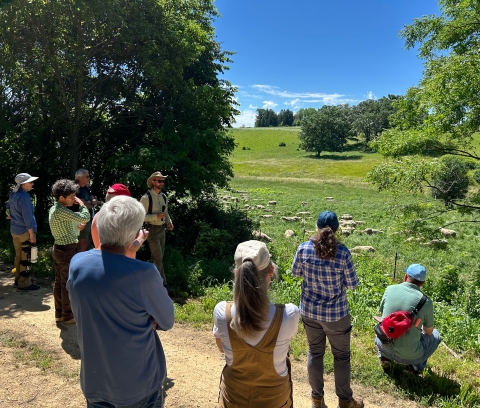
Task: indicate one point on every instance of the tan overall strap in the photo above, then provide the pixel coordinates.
(252, 380)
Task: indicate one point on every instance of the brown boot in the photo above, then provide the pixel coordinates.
(353, 403)
(317, 403)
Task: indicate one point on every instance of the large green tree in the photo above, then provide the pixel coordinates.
(371, 117)
(121, 88)
(325, 130)
(285, 117)
(441, 114)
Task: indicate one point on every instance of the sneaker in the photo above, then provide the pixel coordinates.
(385, 363)
(32, 286)
(353, 403)
(318, 403)
(71, 321)
(59, 319)
(411, 369)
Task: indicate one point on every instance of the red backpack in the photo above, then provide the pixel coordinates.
(396, 324)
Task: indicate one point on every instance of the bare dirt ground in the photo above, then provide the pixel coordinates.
(193, 361)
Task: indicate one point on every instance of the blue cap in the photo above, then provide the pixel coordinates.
(327, 219)
(417, 271)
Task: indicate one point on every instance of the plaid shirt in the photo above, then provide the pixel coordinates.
(64, 223)
(324, 297)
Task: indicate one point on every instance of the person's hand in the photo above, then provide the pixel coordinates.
(141, 237)
(81, 226)
(79, 202)
(8, 217)
(170, 227)
(33, 238)
(154, 325)
(161, 215)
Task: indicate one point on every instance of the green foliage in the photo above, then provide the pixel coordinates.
(326, 130)
(266, 118)
(301, 114)
(447, 285)
(115, 87)
(371, 117)
(476, 176)
(285, 117)
(450, 180)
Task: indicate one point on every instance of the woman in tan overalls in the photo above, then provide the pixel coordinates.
(255, 336)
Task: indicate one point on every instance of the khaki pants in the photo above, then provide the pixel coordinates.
(156, 241)
(21, 276)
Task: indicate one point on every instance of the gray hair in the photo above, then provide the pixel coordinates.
(119, 221)
(79, 173)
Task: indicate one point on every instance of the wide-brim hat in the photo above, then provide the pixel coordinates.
(255, 251)
(156, 174)
(23, 178)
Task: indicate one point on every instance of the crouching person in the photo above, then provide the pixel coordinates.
(118, 303)
(419, 343)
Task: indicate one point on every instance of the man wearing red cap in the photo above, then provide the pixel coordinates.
(114, 191)
(156, 206)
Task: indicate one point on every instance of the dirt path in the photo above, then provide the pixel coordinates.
(193, 361)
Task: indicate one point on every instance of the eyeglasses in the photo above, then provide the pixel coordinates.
(158, 181)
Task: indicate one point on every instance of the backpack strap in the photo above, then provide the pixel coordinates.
(419, 305)
(150, 203)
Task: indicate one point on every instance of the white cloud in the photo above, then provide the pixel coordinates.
(246, 118)
(269, 104)
(371, 95)
(294, 103)
(252, 107)
(307, 97)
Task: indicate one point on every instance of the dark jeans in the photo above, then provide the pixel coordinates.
(154, 400)
(62, 255)
(338, 334)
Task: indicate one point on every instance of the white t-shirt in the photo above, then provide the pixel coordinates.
(288, 329)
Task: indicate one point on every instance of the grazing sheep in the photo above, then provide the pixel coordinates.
(246, 206)
(346, 217)
(266, 216)
(347, 231)
(235, 199)
(413, 239)
(330, 198)
(303, 213)
(260, 207)
(371, 231)
(261, 236)
(289, 234)
(437, 242)
(272, 203)
(349, 223)
(362, 248)
(291, 219)
(448, 233)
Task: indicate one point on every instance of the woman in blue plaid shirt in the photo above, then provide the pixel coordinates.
(327, 270)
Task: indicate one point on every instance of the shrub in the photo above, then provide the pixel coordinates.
(282, 144)
(476, 176)
(450, 181)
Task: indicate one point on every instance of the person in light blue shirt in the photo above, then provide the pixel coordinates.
(23, 228)
(118, 302)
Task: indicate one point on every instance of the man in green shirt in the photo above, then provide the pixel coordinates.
(419, 343)
(65, 226)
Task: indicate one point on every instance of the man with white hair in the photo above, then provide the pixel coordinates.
(82, 178)
(118, 303)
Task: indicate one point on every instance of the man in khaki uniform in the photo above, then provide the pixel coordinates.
(156, 207)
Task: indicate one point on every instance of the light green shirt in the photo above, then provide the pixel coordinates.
(405, 296)
(64, 223)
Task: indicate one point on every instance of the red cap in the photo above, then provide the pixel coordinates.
(119, 190)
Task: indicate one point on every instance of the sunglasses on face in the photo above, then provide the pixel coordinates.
(159, 181)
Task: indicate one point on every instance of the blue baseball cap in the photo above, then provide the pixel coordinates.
(417, 271)
(327, 218)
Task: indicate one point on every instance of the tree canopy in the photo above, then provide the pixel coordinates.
(326, 130)
(441, 115)
(120, 88)
(266, 118)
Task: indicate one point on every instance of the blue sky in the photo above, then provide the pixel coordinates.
(307, 53)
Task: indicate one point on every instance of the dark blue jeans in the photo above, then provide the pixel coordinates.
(154, 400)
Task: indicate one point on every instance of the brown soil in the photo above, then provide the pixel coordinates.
(193, 361)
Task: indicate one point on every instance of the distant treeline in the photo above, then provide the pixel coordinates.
(368, 118)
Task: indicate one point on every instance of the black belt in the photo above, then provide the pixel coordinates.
(67, 246)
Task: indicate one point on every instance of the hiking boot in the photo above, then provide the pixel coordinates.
(317, 403)
(353, 403)
(71, 321)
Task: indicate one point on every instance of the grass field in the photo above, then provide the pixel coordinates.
(299, 182)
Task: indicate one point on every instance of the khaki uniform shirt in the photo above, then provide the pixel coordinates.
(157, 203)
